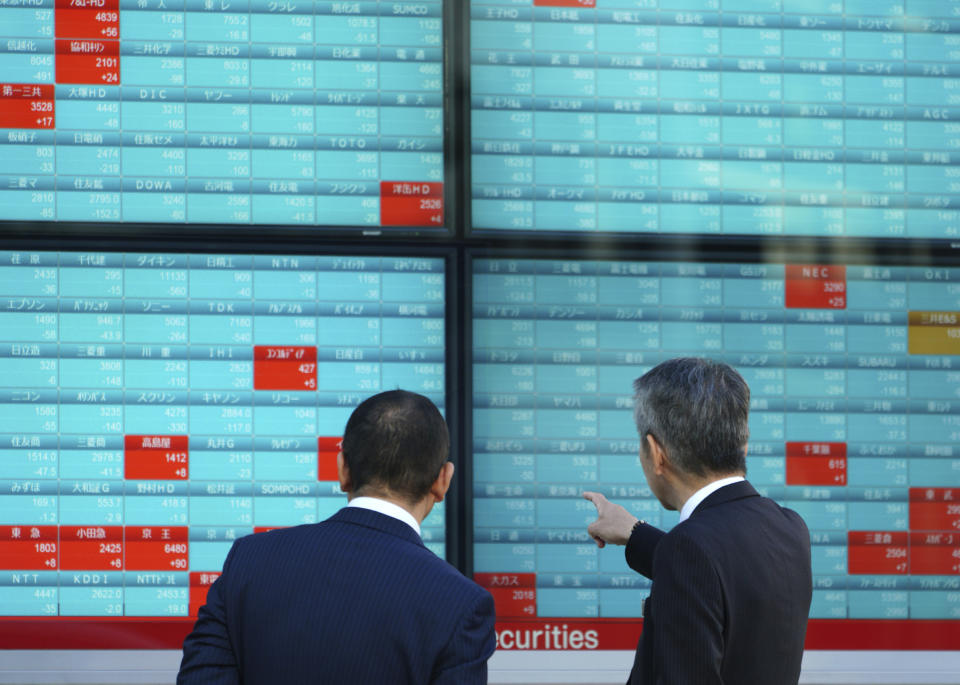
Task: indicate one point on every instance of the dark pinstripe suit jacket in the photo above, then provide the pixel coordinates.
(355, 599)
(730, 596)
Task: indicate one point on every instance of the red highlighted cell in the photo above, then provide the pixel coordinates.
(267, 529)
(91, 548)
(816, 286)
(156, 457)
(327, 451)
(29, 548)
(816, 463)
(90, 62)
(411, 203)
(586, 4)
(935, 509)
(935, 554)
(514, 594)
(515, 602)
(200, 582)
(87, 6)
(87, 19)
(284, 368)
(24, 105)
(156, 548)
(877, 552)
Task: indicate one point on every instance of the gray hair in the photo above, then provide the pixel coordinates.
(697, 410)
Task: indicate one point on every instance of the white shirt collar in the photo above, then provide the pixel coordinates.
(386, 508)
(696, 498)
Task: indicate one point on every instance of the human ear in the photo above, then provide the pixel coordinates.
(658, 455)
(343, 474)
(442, 483)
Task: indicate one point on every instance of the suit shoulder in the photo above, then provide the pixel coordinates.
(693, 530)
(737, 519)
(446, 582)
(686, 545)
(689, 534)
(281, 535)
(791, 514)
(449, 575)
(276, 539)
(796, 520)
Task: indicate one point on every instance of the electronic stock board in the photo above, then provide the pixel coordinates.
(831, 119)
(151, 394)
(792, 117)
(854, 424)
(301, 113)
(155, 407)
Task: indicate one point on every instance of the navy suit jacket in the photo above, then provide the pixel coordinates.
(357, 598)
(730, 596)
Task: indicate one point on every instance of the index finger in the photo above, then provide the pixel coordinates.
(594, 497)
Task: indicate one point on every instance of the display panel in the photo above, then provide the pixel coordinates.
(155, 407)
(854, 424)
(298, 113)
(794, 117)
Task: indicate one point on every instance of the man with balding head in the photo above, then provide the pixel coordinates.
(357, 598)
(732, 580)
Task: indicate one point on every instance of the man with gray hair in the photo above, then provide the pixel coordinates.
(732, 580)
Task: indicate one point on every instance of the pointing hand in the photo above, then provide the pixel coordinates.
(614, 523)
